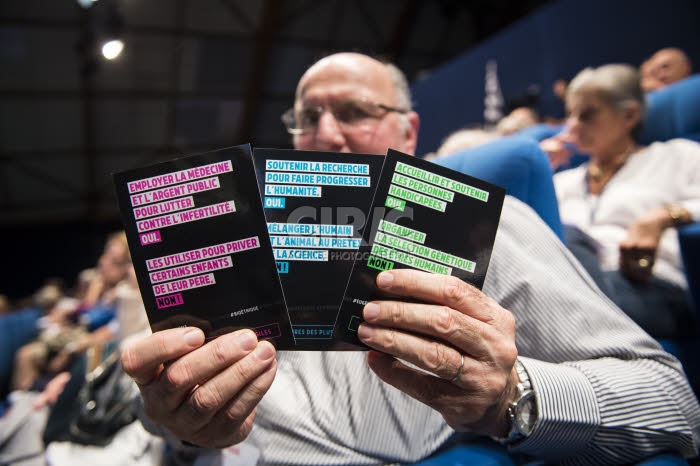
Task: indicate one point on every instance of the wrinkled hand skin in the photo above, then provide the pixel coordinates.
(204, 394)
(458, 320)
(642, 242)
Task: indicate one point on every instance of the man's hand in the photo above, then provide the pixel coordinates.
(638, 249)
(461, 321)
(205, 395)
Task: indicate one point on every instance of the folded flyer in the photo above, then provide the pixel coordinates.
(315, 204)
(434, 219)
(200, 248)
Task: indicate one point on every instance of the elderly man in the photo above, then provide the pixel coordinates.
(665, 67)
(540, 360)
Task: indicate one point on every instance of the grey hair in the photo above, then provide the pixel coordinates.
(403, 92)
(618, 84)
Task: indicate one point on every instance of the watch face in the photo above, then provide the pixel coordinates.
(527, 413)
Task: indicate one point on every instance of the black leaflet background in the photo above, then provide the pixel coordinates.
(466, 229)
(314, 288)
(247, 292)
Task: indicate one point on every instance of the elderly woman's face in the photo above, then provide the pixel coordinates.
(594, 125)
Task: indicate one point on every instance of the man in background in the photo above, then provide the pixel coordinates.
(665, 67)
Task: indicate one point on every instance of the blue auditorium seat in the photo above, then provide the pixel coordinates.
(672, 112)
(518, 165)
(16, 329)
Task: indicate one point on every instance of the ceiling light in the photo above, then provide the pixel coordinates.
(112, 49)
(86, 3)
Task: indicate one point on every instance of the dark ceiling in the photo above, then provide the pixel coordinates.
(194, 75)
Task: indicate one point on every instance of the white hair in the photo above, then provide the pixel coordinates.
(618, 84)
(403, 92)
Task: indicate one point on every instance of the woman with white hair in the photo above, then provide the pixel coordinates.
(622, 207)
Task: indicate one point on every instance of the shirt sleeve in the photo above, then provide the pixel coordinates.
(606, 391)
(687, 177)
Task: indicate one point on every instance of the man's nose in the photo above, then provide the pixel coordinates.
(329, 135)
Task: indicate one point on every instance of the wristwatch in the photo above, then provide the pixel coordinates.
(522, 413)
(677, 214)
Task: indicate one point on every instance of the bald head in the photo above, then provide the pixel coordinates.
(362, 69)
(665, 67)
(345, 77)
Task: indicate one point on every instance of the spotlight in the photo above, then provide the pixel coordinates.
(112, 49)
(86, 3)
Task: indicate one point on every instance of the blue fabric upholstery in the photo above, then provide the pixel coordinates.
(518, 165)
(483, 455)
(98, 315)
(16, 329)
(462, 455)
(689, 238)
(540, 131)
(672, 112)
(688, 350)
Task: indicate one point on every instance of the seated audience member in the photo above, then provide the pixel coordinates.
(26, 420)
(663, 68)
(465, 139)
(625, 203)
(519, 118)
(5, 306)
(586, 374)
(73, 324)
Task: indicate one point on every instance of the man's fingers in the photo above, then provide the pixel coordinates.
(142, 360)
(430, 355)
(465, 405)
(177, 380)
(214, 393)
(240, 411)
(419, 385)
(437, 289)
(442, 322)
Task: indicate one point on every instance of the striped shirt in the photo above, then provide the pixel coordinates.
(606, 392)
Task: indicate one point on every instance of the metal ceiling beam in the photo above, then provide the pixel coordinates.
(402, 31)
(302, 10)
(175, 72)
(9, 157)
(58, 94)
(369, 20)
(258, 67)
(46, 178)
(88, 67)
(319, 44)
(441, 44)
(239, 14)
(336, 18)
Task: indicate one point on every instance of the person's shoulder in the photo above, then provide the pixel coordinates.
(684, 154)
(679, 145)
(570, 176)
(516, 215)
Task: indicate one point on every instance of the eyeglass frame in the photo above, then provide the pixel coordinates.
(288, 117)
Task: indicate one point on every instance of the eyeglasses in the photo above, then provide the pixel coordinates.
(348, 113)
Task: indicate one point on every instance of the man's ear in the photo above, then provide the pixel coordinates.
(411, 135)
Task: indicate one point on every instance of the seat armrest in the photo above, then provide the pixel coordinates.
(689, 238)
